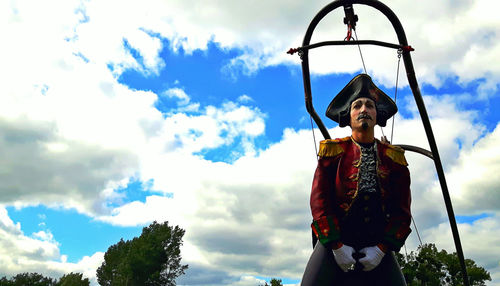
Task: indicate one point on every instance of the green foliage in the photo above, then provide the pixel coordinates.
(274, 282)
(113, 270)
(432, 267)
(4, 281)
(153, 258)
(32, 279)
(73, 279)
(36, 279)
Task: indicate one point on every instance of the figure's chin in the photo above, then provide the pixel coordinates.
(365, 125)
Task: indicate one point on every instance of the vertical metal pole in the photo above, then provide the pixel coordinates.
(410, 71)
(437, 162)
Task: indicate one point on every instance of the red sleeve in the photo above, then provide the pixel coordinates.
(398, 209)
(325, 223)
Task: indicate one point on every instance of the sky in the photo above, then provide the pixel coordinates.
(114, 114)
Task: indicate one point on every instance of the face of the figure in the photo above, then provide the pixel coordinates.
(363, 114)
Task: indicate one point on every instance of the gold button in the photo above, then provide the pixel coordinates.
(353, 177)
(366, 209)
(356, 163)
(366, 197)
(367, 219)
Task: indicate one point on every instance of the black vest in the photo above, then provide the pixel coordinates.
(364, 223)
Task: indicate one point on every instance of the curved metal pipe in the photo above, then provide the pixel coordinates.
(416, 149)
(410, 72)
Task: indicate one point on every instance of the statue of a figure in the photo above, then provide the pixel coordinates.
(360, 198)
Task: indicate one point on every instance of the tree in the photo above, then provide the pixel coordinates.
(153, 258)
(35, 279)
(73, 279)
(432, 267)
(5, 282)
(274, 282)
(113, 270)
(32, 279)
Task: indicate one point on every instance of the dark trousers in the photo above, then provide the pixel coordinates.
(322, 270)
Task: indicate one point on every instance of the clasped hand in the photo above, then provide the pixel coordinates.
(344, 257)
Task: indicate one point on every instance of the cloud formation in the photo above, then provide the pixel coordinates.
(263, 31)
(38, 252)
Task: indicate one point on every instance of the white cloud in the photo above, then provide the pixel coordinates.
(33, 174)
(44, 236)
(64, 109)
(480, 166)
(446, 44)
(40, 253)
(179, 94)
(474, 237)
(245, 98)
(220, 206)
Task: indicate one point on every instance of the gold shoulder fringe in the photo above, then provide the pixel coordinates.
(331, 147)
(397, 154)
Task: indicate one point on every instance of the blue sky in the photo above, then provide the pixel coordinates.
(75, 242)
(203, 77)
(197, 116)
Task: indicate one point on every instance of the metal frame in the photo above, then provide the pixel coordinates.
(403, 44)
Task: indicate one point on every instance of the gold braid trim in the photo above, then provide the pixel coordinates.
(331, 147)
(397, 154)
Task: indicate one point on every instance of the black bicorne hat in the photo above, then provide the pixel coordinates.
(360, 86)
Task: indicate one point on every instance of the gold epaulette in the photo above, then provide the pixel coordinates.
(397, 154)
(331, 147)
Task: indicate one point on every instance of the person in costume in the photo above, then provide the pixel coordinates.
(360, 198)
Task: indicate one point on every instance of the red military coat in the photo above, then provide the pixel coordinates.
(335, 188)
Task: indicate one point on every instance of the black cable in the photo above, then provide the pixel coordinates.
(360, 53)
(314, 138)
(396, 91)
(406, 253)
(416, 229)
